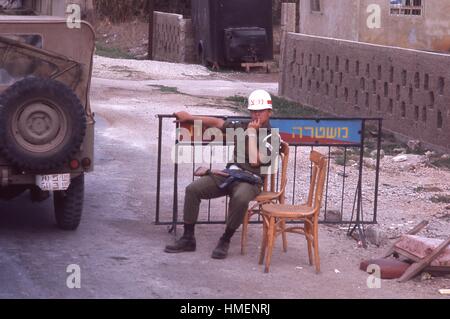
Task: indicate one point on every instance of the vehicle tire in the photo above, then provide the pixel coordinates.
(42, 123)
(69, 204)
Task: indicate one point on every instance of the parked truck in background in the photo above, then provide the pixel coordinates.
(230, 32)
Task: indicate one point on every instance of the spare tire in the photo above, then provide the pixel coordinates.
(42, 123)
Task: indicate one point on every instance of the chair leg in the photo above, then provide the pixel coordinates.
(308, 235)
(244, 233)
(263, 242)
(270, 242)
(284, 235)
(316, 248)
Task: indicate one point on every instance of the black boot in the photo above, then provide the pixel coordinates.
(221, 250)
(185, 243)
(181, 245)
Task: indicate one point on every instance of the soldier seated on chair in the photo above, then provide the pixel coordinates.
(242, 179)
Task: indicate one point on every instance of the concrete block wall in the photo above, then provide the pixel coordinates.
(409, 89)
(173, 39)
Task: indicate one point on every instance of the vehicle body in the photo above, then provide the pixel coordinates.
(230, 32)
(46, 124)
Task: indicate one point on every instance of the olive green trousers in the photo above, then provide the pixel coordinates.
(206, 187)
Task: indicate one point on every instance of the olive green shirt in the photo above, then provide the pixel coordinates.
(240, 158)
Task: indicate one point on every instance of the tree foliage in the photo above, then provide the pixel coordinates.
(126, 10)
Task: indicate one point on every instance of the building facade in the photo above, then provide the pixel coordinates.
(415, 24)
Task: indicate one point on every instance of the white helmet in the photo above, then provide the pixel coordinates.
(259, 100)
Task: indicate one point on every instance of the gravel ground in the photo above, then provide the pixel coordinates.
(120, 250)
(145, 70)
(405, 187)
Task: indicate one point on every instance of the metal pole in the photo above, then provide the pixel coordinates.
(359, 202)
(295, 175)
(175, 190)
(343, 184)
(158, 170)
(210, 167)
(377, 177)
(328, 179)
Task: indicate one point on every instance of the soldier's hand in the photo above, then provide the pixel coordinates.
(184, 117)
(256, 124)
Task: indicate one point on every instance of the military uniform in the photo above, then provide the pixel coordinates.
(242, 185)
(240, 193)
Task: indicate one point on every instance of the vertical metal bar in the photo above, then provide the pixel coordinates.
(377, 171)
(343, 183)
(295, 174)
(193, 161)
(158, 171)
(353, 213)
(175, 189)
(359, 202)
(210, 167)
(328, 176)
(361, 163)
(226, 198)
(362, 209)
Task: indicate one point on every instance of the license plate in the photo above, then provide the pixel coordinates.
(55, 182)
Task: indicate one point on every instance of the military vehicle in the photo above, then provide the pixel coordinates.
(46, 123)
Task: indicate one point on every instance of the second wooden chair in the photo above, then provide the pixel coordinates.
(276, 215)
(270, 194)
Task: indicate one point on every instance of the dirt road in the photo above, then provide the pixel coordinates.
(120, 250)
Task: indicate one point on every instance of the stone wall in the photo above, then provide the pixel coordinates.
(410, 89)
(173, 38)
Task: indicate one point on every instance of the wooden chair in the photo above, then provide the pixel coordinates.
(268, 195)
(276, 215)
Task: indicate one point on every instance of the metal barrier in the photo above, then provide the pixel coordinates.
(351, 192)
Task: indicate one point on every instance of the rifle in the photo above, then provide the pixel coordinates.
(231, 175)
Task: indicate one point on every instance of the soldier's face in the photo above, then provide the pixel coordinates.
(263, 116)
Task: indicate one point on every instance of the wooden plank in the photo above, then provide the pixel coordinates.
(406, 254)
(413, 231)
(249, 65)
(421, 247)
(416, 268)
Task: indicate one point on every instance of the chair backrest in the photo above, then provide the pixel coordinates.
(270, 182)
(317, 183)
